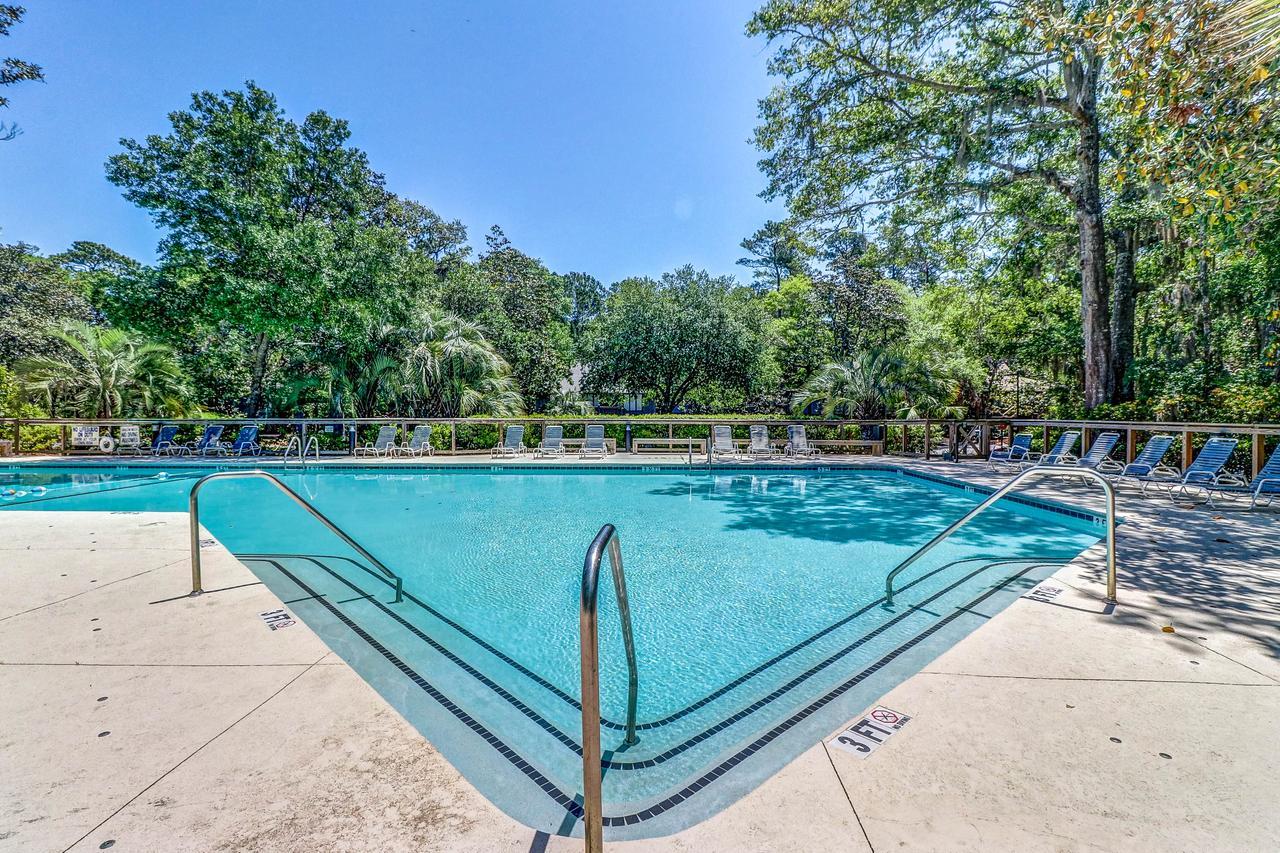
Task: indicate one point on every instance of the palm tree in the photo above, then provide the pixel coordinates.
(108, 373)
(457, 372)
(1249, 31)
(874, 383)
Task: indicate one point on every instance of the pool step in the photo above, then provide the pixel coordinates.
(514, 701)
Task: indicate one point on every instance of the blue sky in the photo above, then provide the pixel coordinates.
(611, 138)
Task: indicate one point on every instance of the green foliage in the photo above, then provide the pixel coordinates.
(458, 373)
(107, 373)
(800, 341)
(671, 337)
(878, 383)
(775, 253)
(12, 69)
(272, 227)
(530, 331)
(36, 296)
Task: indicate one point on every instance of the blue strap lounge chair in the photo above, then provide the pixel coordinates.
(1011, 456)
(552, 443)
(210, 440)
(1146, 464)
(512, 442)
(1059, 455)
(163, 441)
(798, 442)
(419, 444)
(1100, 450)
(593, 446)
(383, 445)
(246, 442)
(1203, 472)
(759, 446)
(1262, 490)
(722, 445)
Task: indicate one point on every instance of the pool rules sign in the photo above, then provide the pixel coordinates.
(864, 736)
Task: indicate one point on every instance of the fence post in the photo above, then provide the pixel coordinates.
(453, 438)
(1187, 455)
(1259, 453)
(66, 437)
(1045, 447)
(926, 439)
(17, 436)
(1130, 446)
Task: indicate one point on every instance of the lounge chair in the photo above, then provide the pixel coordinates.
(552, 443)
(209, 441)
(759, 445)
(798, 442)
(1265, 484)
(1203, 471)
(1059, 455)
(1146, 464)
(130, 440)
(246, 442)
(1099, 451)
(162, 441)
(722, 443)
(419, 444)
(383, 445)
(1011, 456)
(512, 443)
(593, 446)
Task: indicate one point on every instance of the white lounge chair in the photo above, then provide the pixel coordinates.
(759, 446)
(593, 446)
(419, 444)
(512, 443)
(798, 442)
(383, 445)
(722, 445)
(552, 443)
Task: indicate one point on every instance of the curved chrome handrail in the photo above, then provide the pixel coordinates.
(1049, 470)
(193, 506)
(592, 798)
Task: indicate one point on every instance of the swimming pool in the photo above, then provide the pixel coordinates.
(756, 597)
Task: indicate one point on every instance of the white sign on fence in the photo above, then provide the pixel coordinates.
(84, 436)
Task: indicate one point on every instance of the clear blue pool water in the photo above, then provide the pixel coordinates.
(756, 600)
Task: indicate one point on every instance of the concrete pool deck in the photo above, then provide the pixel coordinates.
(1045, 729)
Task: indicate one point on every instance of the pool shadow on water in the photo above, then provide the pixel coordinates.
(845, 510)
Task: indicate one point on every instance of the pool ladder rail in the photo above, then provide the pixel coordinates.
(1046, 470)
(295, 445)
(589, 642)
(193, 506)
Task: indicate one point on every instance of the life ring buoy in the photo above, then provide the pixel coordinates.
(107, 444)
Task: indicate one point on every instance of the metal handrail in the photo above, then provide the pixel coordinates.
(193, 506)
(592, 776)
(1047, 470)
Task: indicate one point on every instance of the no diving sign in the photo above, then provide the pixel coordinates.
(864, 736)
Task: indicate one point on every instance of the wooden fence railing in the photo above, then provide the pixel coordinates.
(921, 437)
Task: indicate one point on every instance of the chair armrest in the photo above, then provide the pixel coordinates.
(1257, 484)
